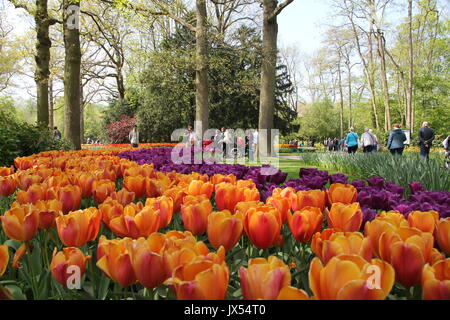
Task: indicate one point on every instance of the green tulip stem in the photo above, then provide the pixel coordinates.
(31, 271)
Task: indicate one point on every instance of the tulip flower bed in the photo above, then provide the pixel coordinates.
(122, 224)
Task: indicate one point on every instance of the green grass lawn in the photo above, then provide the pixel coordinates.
(292, 168)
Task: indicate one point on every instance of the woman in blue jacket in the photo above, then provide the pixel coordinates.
(396, 141)
(351, 141)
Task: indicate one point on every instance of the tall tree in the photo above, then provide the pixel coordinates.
(43, 44)
(409, 92)
(271, 9)
(201, 72)
(72, 66)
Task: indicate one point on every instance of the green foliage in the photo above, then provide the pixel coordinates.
(400, 170)
(18, 139)
(320, 121)
(164, 94)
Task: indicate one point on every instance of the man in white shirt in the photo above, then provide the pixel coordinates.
(134, 137)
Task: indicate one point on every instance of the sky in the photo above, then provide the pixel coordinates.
(299, 24)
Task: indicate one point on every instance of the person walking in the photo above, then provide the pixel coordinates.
(133, 136)
(367, 141)
(351, 141)
(426, 137)
(375, 139)
(192, 138)
(446, 145)
(396, 140)
(255, 144)
(56, 133)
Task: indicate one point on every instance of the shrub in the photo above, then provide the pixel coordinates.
(20, 139)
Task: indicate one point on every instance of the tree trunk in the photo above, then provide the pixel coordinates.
(341, 96)
(51, 106)
(268, 77)
(201, 75)
(42, 58)
(72, 130)
(81, 114)
(350, 102)
(409, 117)
(382, 55)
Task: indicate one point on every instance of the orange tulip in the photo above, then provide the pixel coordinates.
(242, 207)
(200, 280)
(408, 250)
(4, 258)
(48, 211)
(249, 184)
(106, 174)
(20, 223)
(5, 171)
(350, 277)
(70, 197)
(32, 195)
(264, 279)
(115, 261)
(85, 181)
(56, 181)
(344, 217)
(180, 248)
(123, 196)
(282, 204)
(194, 212)
(385, 221)
(143, 170)
(78, 227)
(224, 229)
(18, 255)
(329, 244)
(136, 221)
(66, 263)
(102, 189)
(251, 194)
(177, 194)
(305, 223)
(7, 186)
(24, 180)
(291, 293)
(219, 178)
(165, 206)
(147, 260)
(436, 281)
(198, 187)
(311, 198)
(110, 210)
(343, 193)
(443, 235)
(228, 195)
(424, 221)
(135, 184)
(263, 225)
(288, 193)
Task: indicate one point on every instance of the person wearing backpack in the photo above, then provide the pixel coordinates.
(396, 140)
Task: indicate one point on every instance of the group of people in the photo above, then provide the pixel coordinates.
(335, 144)
(396, 141)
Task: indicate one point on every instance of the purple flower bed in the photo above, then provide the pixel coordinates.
(374, 195)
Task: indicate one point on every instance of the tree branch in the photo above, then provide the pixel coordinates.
(280, 8)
